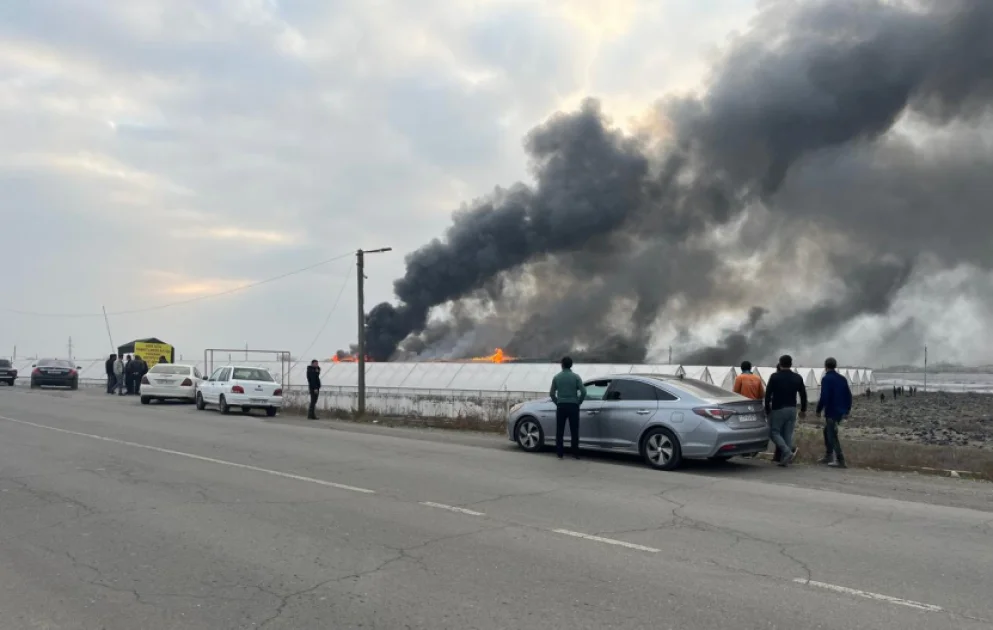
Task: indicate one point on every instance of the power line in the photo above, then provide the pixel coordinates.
(198, 298)
(327, 319)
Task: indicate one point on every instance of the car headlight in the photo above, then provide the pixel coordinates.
(516, 407)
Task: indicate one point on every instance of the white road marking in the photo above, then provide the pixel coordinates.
(609, 541)
(201, 458)
(452, 508)
(868, 595)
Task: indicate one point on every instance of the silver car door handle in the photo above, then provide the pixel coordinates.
(644, 412)
(593, 412)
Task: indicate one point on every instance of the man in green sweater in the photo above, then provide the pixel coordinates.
(568, 393)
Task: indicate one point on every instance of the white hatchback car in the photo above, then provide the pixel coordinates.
(170, 381)
(241, 386)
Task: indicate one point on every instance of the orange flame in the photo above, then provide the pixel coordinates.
(348, 358)
(498, 356)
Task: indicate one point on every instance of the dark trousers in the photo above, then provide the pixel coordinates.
(567, 412)
(832, 445)
(111, 382)
(312, 412)
(129, 383)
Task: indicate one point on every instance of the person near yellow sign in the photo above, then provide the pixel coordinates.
(153, 353)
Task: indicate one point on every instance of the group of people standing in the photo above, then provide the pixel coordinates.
(124, 374)
(786, 391)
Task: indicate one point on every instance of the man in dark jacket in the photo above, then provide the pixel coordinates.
(836, 403)
(567, 393)
(129, 366)
(314, 386)
(111, 381)
(780, 406)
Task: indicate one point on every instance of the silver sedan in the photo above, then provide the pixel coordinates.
(665, 419)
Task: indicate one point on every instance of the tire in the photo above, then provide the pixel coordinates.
(11, 382)
(145, 400)
(201, 405)
(529, 435)
(34, 385)
(661, 449)
(74, 385)
(271, 412)
(222, 403)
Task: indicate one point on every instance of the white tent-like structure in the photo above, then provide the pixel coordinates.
(722, 376)
(452, 389)
(698, 372)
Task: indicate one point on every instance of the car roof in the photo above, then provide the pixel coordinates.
(638, 375)
(185, 365)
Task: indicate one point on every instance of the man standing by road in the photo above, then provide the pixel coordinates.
(568, 393)
(119, 375)
(836, 403)
(111, 380)
(314, 386)
(780, 406)
(747, 384)
(129, 367)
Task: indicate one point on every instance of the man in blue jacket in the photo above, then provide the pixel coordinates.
(836, 404)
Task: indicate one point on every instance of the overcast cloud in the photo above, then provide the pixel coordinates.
(157, 150)
(160, 150)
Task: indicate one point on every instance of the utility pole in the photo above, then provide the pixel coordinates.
(107, 321)
(70, 348)
(670, 355)
(360, 271)
(925, 368)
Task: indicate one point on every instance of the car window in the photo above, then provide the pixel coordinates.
(176, 370)
(596, 389)
(216, 374)
(5, 363)
(54, 363)
(225, 375)
(252, 374)
(623, 389)
(665, 395)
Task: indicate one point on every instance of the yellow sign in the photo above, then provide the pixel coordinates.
(151, 352)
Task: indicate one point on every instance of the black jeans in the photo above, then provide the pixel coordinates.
(111, 382)
(312, 412)
(564, 412)
(832, 445)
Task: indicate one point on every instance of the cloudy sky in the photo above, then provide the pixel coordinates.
(159, 150)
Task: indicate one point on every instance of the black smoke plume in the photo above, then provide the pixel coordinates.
(806, 129)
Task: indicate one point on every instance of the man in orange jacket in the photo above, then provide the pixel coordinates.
(749, 385)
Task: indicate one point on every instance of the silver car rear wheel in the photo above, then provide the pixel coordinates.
(661, 449)
(530, 437)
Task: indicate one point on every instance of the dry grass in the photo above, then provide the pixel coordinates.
(891, 455)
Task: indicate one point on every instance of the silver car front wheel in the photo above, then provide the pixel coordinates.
(661, 449)
(530, 437)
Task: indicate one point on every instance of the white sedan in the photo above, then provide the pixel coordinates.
(241, 386)
(166, 381)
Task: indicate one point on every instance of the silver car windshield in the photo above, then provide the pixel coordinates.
(703, 390)
(252, 374)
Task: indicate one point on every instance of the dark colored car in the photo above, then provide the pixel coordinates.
(55, 372)
(7, 372)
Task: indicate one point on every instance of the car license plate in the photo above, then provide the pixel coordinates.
(260, 401)
(747, 417)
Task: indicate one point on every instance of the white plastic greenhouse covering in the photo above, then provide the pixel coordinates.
(488, 377)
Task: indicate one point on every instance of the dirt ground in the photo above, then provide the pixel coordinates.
(935, 419)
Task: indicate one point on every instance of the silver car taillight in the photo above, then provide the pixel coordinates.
(714, 413)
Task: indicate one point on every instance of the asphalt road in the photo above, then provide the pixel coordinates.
(115, 515)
